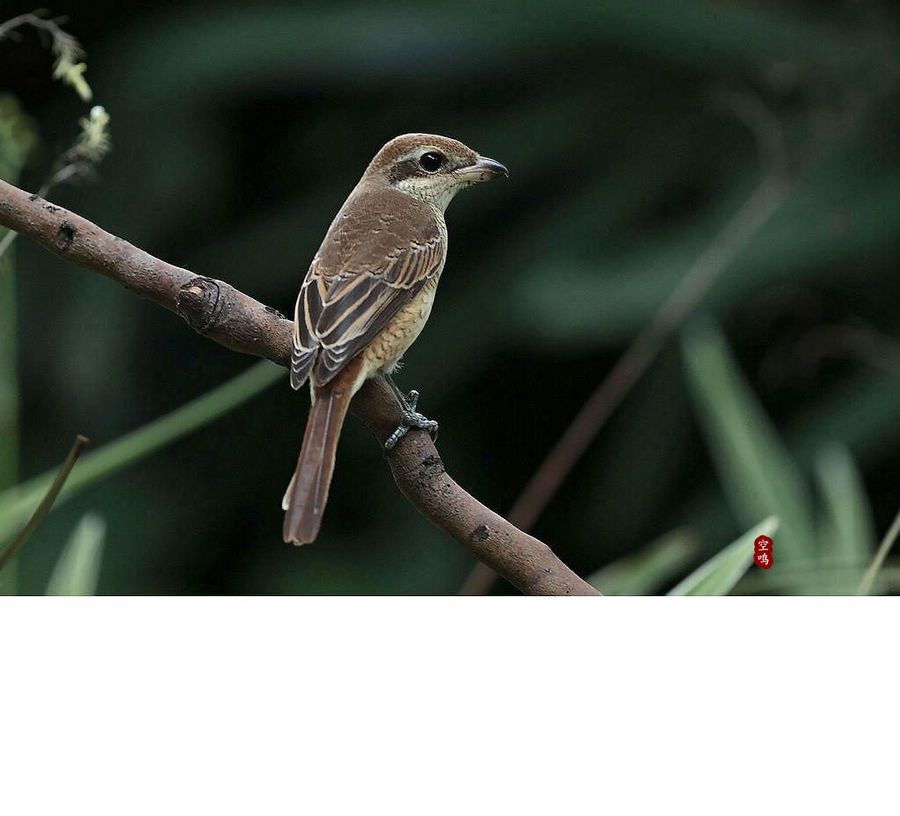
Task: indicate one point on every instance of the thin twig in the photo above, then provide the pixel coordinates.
(93, 141)
(33, 19)
(64, 47)
(868, 580)
(12, 549)
(221, 313)
(767, 130)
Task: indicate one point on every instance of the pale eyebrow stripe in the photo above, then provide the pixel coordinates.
(419, 151)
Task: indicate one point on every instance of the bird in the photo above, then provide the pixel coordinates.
(366, 297)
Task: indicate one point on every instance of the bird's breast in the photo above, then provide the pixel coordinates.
(391, 344)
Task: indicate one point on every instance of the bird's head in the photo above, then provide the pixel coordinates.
(431, 168)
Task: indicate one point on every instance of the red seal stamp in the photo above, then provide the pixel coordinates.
(762, 552)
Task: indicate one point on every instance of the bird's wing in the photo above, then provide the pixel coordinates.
(368, 267)
(305, 346)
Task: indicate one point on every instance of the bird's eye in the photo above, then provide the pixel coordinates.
(431, 161)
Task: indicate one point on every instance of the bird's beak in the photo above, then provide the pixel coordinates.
(483, 170)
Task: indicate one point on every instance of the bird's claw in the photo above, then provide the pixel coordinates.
(411, 419)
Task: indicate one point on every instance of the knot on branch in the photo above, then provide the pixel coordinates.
(200, 303)
(64, 236)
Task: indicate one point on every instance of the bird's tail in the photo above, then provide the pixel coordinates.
(307, 493)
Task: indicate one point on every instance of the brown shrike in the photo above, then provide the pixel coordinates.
(367, 295)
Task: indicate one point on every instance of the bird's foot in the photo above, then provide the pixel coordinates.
(411, 419)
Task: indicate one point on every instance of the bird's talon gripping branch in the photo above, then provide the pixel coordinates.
(411, 419)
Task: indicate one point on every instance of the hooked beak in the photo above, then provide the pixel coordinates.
(483, 170)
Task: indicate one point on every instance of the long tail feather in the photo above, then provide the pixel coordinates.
(307, 494)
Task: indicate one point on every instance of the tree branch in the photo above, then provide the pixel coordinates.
(221, 313)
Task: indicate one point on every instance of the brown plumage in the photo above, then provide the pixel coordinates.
(367, 295)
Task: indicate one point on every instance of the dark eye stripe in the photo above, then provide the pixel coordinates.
(405, 169)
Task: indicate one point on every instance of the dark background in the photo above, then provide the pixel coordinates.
(238, 130)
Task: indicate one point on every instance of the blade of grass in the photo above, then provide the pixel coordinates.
(868, 580)
(847, 536)
(77, 571)
(640, 573)
(757, 473)
(720, 574)
(46, 503)
(113, 457)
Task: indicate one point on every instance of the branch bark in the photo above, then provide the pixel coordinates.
(222, 313)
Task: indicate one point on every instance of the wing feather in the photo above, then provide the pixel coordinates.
(365, 272)
(357, 312)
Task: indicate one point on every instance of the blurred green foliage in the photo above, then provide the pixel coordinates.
(756, 472)
(643, 572)
(17, 139)
(634, 133)
(78, 569)
(720, 574)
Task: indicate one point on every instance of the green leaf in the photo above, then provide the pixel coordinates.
(16, 504)
(847, 536)
(884, 549)
(719, 575)
(758, 475)
(642, 572)
(17, 139)
(78, 569)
